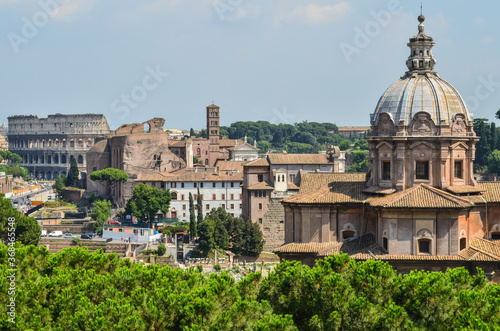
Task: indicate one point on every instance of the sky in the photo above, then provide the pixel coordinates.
(282, 61)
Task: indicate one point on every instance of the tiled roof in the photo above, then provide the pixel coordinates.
(492, 193)
(207, 177)
(379, 190)
(230, 165)
(153, 177)
(486, 246)
(305, 247)
(178, 143)
(472, 254)
(420, 196)
(340, 192)
(297, 158)
(466, 189)
(314, 180)
(230, 142)
(292, 186)
(260, 162)
(261, 186)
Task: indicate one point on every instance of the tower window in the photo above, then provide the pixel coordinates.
(420, 64)
(458, 169)
(463, 243)
(422, 170)
(385, 243)
(386, 170)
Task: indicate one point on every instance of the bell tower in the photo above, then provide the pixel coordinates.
(213, 118)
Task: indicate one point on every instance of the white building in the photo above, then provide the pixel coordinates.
(219, 186)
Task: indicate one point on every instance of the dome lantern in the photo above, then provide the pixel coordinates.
(421, 59)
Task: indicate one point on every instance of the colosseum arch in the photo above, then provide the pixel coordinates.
(37, 144)
(64, 159)
(80, 142)
(56, 143)
(42, 143)
(64, 143)
(72, 143)
(49, 143)
(80, 159)
(56, 159)
(49, 159)
(89, 142)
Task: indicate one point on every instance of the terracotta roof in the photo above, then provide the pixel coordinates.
(466, 189)
(340, 192)
(260, 162)
(401, 257)
(292, 186)
(420, 196)
(154, 177)
(492, 191)
(207, 177)
(297, 158)
(314, 180)
(261, 186)
(379, 190)
(178, 143)
(305, 247)
(486, 246)
(230, 165)
(471, 254)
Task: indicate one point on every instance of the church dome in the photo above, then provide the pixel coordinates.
(421, 89)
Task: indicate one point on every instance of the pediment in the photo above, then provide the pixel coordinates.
(459, 144)
(385, 143)
(425, 143)
(245, 147)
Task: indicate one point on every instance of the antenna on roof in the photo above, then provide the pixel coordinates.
(420, 8)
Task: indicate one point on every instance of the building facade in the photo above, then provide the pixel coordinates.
(418, 201)
(266, 181)
(47, 145)
(219, 186)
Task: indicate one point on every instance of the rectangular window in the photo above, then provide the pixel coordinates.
(195, 185)
(422, 170)
(241, 196)
(292, 178)
(202, 197)
(232, 206)
(224, 205)
(264, 194)
(386, 170)
(214, 196)
(260, 206)
(424, 246)
(256, 194)
(232, 196)
(201, 185)
(173, 185)
(241, 205)
(260, 178)
(223, 196)
(458, 169)
(182, 185)
(207, 206)
(223, 184)
(183, 197)
(232, 184)
(260, 220)
(195, 196)
(183, 207)
(213, 184)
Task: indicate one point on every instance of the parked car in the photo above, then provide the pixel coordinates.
(87, 236)
(114, 222)
(56, 234)
(69, 235)
(44, 233)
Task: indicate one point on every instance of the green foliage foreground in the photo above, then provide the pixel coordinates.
(78, 290)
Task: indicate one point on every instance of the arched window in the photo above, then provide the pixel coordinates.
(206, 161)
(56, 159)
(71, 143)
(49, 159)
(43, 143)
(463, 243)
(89, 142)
(198, 151)
(64, 143)
(63, 159)
(174, 195)
(348, 231)
(80, 142)
(49, 143)
(80, 159)
(347, 234)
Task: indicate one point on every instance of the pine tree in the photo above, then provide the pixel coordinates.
(254, 242)
(192, 218)
(191, 133)
(72, 179)
(199, 205)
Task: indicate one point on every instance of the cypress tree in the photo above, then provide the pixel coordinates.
(199, 204)
(72, 179)
(192, 218)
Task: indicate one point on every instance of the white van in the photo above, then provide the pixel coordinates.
(44, 233)
(56, 234)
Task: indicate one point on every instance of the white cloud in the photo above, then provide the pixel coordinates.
(73, 7)
(317, 14)
(487, 40)
(241, 13)
(477, 20)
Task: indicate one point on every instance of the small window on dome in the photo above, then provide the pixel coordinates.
(420, 64)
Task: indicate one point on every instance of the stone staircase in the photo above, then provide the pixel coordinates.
(274, 225)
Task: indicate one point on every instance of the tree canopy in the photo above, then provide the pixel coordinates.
(78, 290)
(192, 218)
(146, 201)
(27, 231)
(101, 212)
(109, 176)
(12, 157)
(59, 184)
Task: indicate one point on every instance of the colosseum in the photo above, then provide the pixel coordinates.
(47, 145)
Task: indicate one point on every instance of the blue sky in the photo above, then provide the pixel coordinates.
(273, 60)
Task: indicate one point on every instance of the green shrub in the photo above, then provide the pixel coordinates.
(161, 250)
